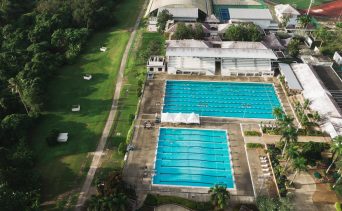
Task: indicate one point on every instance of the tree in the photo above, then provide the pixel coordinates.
(293, 47)
(285, 21)
(266, 203)
(304, 20)
(336, 149)
(162, 18)
(292, 153)
(289, 135)
(183, 32)
(16, 87)
(219, 196)
(120, 202)
(198, 32)
(278, 113)
(299, 165)
(243, 32)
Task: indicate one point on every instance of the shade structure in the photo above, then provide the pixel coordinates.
(186, 118)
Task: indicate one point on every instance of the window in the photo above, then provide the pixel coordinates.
(160, 69)
(151, 69)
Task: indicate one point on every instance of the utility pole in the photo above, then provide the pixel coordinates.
(308, 12)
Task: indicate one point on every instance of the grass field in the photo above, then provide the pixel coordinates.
(301, 4)
(136, 69)
(63, 168)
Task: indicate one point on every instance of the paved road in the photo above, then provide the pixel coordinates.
(106, 131)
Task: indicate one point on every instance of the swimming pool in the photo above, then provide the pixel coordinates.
(193, 157)
(221, 99)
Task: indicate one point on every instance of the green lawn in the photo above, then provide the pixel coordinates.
(63, 167)
(128, 101)
(301, 4)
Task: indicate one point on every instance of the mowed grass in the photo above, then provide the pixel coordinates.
(301, 4)
(63, 168)
(128, 102)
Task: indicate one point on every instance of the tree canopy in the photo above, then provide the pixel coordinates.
(243, 32)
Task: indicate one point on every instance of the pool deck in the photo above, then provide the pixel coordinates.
(145, 141)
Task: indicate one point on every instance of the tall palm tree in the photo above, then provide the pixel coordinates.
(289, 135)
(298, 164)
(120, 202)
(304, 20)
(278, 113)
(336, 149)
(15, 87)
(339, 166)
(291, 153)
(219, 196)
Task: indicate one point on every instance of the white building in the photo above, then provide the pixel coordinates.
(219, 58)
(156, 64)
(182, 10)
(260, 17)
(320, 98)
(338, 58)
(286, 10)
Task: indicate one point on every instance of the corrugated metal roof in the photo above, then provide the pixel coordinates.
(286, 9)
(254, 14)
(290, 77)
(200, 4)
(182, 12)
(220, 53)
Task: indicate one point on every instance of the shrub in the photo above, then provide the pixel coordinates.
(254, 145)
(122, 148)
(293, 47)
(131, 118)
(338, 206)
(243, 32)
(252, 133)
(51, 139)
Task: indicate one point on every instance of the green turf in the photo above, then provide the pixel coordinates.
(301, 4)
(64, 167)
(136, 68)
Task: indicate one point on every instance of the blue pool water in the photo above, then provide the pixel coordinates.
(221, 99)
(193, 157)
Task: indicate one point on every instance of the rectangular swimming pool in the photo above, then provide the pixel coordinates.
(193, 157)
(221, 99)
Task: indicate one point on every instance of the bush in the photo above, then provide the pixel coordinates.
(189, 32)
(243, 32)
(252, 133)
(338, 206)
(293, 47)
(253, 145)
(156, 200)
(131, 119)
(51, 139)
(122, 148)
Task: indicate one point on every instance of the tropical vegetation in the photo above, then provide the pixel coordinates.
(243, 32)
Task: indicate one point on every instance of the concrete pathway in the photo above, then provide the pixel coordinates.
(170, 207)
(106, 131)
(303, 195)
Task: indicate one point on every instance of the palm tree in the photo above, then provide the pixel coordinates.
(336, 149)
(94, 203)
(304, 20)
(289, 135)
(120, 202)
(298, 164)
(15, 86)
(339, 166)
(278, 113)
(219, 196)
(291, 153)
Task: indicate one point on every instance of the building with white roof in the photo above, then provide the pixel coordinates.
(320, 98)
(219, 58)
(290, 78)
(260, 17)
(338, 58)
(286, 10)
(182, 10)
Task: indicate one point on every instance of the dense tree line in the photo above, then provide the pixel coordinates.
(36, 38)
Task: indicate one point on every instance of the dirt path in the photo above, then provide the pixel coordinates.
(106, 131)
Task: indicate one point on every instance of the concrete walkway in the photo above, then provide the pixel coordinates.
(305, 188)
(84, 194)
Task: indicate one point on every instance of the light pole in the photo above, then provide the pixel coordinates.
(308, 12)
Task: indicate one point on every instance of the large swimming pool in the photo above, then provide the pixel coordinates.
(221, 99)
(193, 157)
